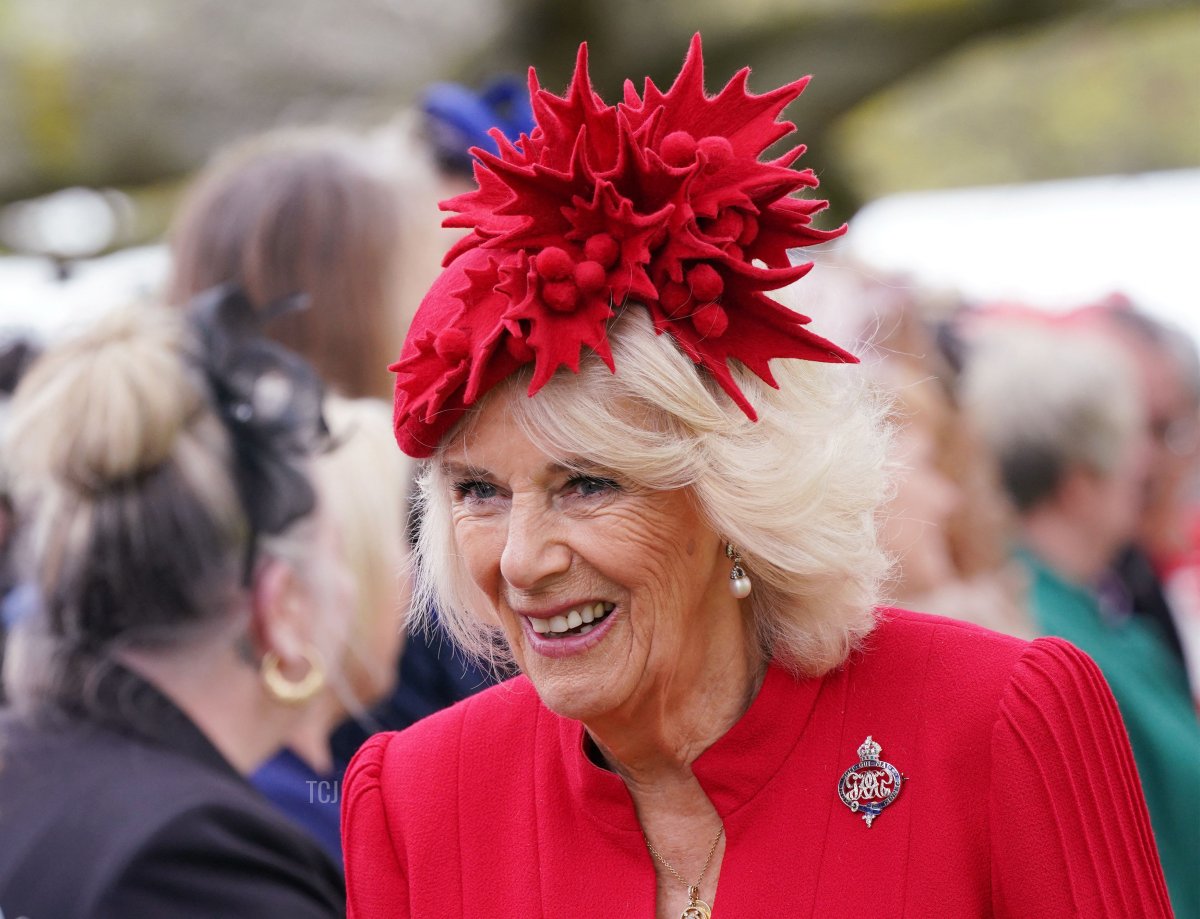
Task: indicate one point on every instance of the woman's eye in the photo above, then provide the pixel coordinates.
(589, 486)
(475, 489)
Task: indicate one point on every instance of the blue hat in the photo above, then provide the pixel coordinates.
(458, 118)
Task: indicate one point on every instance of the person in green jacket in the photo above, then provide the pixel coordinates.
(1061, 411)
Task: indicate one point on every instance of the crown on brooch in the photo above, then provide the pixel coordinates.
(660, 200)
(869, 750)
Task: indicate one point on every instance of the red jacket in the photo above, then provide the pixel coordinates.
(1020, 798)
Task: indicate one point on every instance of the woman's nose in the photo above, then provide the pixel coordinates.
(533, 548)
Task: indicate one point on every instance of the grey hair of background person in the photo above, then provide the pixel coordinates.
(1049, 400)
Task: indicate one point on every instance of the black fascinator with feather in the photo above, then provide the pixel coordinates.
(271, 401)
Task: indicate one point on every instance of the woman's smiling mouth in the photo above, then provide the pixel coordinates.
(578, 620)
(572, 630)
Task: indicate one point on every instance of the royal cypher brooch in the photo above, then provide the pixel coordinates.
(871, 784)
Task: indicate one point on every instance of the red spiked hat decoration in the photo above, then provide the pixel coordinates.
(660, 200)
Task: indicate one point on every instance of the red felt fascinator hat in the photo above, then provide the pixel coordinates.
(660, 200)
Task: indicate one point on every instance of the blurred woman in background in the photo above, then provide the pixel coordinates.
(303, 211)
(947, 524)
(365, 483)
(351, 222)
(189, 588)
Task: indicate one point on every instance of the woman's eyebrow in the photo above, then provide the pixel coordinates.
(576, 464)
(464, 470)
(570, 466)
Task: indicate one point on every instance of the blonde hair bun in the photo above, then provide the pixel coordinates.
(108, 405)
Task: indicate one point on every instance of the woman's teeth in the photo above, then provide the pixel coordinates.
(578, 621)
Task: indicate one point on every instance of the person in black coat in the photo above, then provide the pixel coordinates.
(187, 588)
(111, 816)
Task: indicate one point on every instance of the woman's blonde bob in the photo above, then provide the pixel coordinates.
(796, 492)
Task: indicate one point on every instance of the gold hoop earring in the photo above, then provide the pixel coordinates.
(739, 583)
(292, 692)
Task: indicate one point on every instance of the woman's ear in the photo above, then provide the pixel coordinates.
(279, 610)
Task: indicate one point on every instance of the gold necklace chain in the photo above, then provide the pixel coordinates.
(694, 901)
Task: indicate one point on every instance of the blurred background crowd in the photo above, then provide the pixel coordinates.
(1021, 180)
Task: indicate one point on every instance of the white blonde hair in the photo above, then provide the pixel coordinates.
(796, 492)
(365, 483)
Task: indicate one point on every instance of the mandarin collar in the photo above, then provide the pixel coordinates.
(731, 771)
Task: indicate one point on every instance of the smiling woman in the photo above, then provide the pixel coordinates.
(652, 490)
(802, 521)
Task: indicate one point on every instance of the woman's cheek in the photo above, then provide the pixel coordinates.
(481, 544)
(473, 543)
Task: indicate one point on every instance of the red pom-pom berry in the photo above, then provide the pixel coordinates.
(717, 152)
(678, 149)
(590, 276)
(710, 320)
(452, 345)
(602, 248)
(727, 225)
(675, 299)
(554, 264)
(560, 295)
(705, 282)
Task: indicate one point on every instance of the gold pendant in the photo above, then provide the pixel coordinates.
(697, 908)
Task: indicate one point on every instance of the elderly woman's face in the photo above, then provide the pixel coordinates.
(606, 591)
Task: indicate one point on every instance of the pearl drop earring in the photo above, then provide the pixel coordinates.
(739, 583)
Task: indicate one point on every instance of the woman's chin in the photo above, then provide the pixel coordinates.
(574, 701)
(580, 686)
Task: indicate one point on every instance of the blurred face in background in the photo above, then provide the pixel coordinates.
(1171, 451)
(326, 583)
(1110, 505)
(912, 529)
(366, 480)
(378, 637)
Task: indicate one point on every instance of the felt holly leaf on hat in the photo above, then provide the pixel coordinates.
(660, 200)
